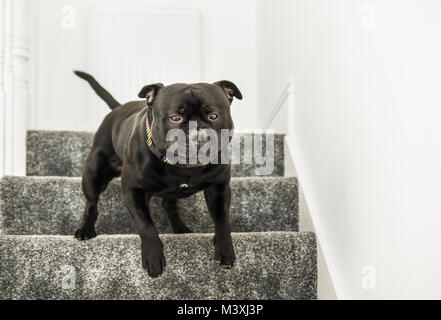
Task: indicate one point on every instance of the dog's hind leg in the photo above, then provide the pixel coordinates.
(170, 206)
(97, 174)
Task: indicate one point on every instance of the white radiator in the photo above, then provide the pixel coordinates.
(129, 48)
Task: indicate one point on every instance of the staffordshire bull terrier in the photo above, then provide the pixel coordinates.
(131, 142)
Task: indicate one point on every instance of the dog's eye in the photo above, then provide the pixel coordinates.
(176, 118)
(213, 116)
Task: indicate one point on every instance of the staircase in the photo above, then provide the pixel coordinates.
(40, 259)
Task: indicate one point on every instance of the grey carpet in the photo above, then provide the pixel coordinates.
(62, 153)
(39, 214)
(54, 205)
(269, 266)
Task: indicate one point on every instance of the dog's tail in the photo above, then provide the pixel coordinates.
(100, 91)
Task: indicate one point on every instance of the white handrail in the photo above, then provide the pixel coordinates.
(287, 93)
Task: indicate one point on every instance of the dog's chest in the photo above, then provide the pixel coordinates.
(185, 188)
(184, 183)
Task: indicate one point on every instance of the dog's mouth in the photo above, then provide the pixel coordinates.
(197, 155)
(191, 148)
(190, 166)
(193, 154)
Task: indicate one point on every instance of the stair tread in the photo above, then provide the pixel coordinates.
(54, 205)
(62, 153)
(269, 265)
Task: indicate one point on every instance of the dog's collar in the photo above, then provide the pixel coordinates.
(151, 146)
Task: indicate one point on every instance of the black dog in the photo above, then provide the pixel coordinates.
(121, 147)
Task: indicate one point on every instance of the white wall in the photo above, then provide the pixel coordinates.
(368, 121)
(228, 45)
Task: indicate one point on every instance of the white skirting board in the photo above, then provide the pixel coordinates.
(325, 289)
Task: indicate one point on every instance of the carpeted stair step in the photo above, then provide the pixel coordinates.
(54, 206)
(269, 265)
(62, 153)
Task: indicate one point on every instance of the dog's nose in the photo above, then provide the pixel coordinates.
(198, 136)
(203, 136)
(193, 136)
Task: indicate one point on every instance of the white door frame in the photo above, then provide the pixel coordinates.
(14, 85)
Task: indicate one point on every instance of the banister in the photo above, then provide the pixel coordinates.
(287, 94)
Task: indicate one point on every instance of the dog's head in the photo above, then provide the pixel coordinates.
(198, 111)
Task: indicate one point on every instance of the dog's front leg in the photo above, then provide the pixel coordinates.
(218, 200)
(151, 246)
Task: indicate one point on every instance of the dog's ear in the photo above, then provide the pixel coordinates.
(149, 92)
(229, 89)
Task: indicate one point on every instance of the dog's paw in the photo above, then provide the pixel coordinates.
(153, 259)
(85, 234)
(154, 266)
(224, 255)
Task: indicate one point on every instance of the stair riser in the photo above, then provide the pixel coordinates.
(63, 153)
(268, 266)
(31, 205)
